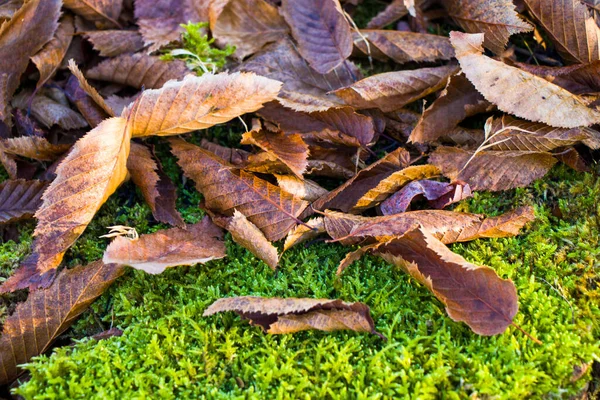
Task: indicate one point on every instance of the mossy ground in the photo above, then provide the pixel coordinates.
(168, 350)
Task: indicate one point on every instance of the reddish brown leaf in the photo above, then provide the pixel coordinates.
(34, 147)
(155, 252)
(570, 27)
(91, 111)
(321, 30)
(138, 70)
(289, 315)
(247, 235)
(393, 12)
(403, 47)
(237, 157)
(102, 11)
(458, 101)
(391, 91)
(50, 57)
(47, 313)
(198, 103)
(496, 18)
(518, 92)
(112, 43)
(90, 173)
(24, 35)
(248, 25)
(472, 294)
(577, 79)
(158, 190)
(226, 188)
(20, 199)
(492, 170)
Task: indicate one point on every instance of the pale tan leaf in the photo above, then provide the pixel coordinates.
(302, 188)
(303, 233)
(34, 147)
(50, 57)
(247, 235)
(89, 89)
(518, 92)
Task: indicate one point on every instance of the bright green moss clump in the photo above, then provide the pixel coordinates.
(169, 350)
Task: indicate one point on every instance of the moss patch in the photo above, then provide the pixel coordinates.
(169, 350)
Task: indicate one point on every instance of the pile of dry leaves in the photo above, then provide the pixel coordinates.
(74, 122)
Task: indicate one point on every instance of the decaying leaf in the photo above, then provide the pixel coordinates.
(155, 252)
(323, 34)
(158, 190)
(289, 315)
(492, 170)
(497, 19)
(304, 189)
(247, 235)
(35, 147)
(47, 313)
(472, 294)
(198, 103)
(112, 43)
(138, 70)
(303, 233)
(103, 11)
(248, 25)
(49, 58)
(393, 12)
(518, 92)
(90, 173)
(20, 199)
(21, 37)
(89, 89)
(91, 111)
(391, 91)
(48, 111)
(570, 26)
(237, 157)
(400, 201)
(226, 188)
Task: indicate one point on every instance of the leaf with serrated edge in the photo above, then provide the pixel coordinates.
(49, 58)
(19, 199)
(247, 235)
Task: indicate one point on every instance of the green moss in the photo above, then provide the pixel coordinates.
(169, 350)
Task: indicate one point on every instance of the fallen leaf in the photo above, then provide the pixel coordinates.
(400, 201)
(570, 27)
(226, 188)
(101, 11)
(303, 233)
(288, 315)
(48, 111)
(198, 103)
(304, 189)
(457, 101)
(111, 43)
(91, 111)
(50, 57)
(46, 314)
(233, 156)
(497, 19)
(19, 199)
(492, 170)
(21, 37)
(290, 149)
(166, 248)
(390, 91)
(577, 79)
(323, 34)
(35, 147)
(403, 47)
(89, 89)
(158, 190)
(529, 97)
(90, 173)
(138, 70)
(392, 13)
(248, 25)
(247, 235)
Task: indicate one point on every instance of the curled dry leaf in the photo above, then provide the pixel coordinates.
(472, 294)
(303, 233)
(50, 57)
(158, 190)
(518, 92)
(391, 91)
(290, 149)
(304, 189)
(46, 314)
(89, 89)
(21, 37)
(138, 70)
(457, 101)
(492, 170)
(577, 79)
(288, 315)
(91, 111)
(199, 102)
(48, 111)
(403, 47)
(35, 147)
(570, 27)
(248, 25)
(226, 189)
(155, 252)
(19, 199)
(247, 235)
(111, 43)
(392, 13)
(90, 173)
(304, 89)
(497, 19)
(400, 201)
(102, 11)
(323, 34)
